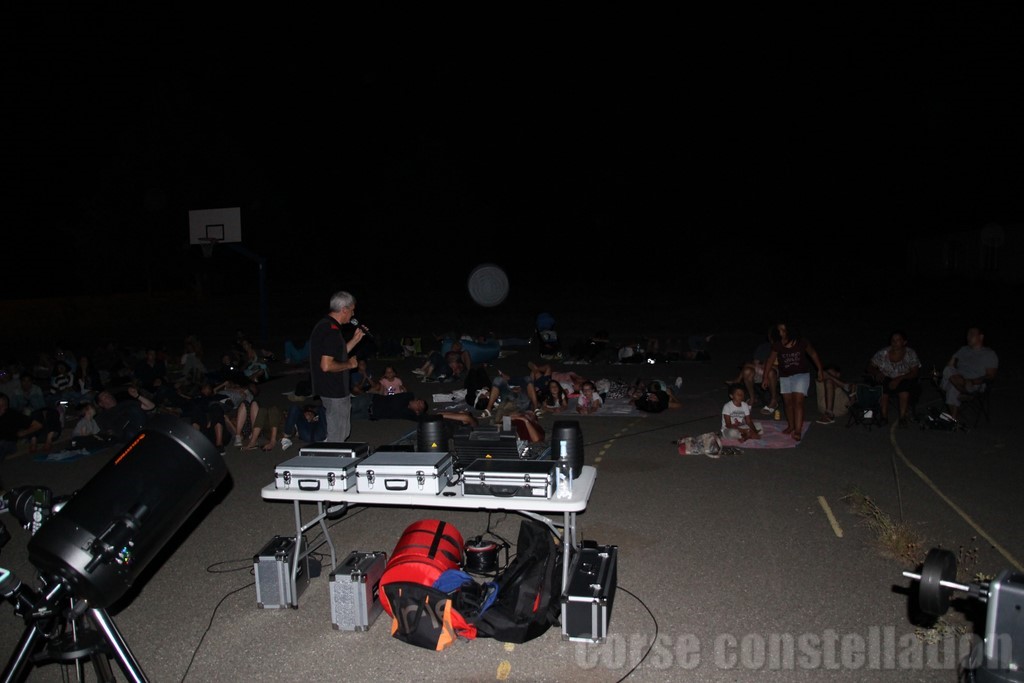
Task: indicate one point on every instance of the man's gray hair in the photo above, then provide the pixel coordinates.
(340, 300)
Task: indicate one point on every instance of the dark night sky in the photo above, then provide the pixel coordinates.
(349, 144)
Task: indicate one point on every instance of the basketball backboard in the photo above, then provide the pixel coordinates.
(214, 226)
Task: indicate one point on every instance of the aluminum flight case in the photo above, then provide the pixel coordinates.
(587, 599)
(355, 590)
(317, 473)
(508, 478)
(272, 566)
(350, 449)
(425, 473)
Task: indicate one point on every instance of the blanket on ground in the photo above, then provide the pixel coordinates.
(614, 407)
(772, 437)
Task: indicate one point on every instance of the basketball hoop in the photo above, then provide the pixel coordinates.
(207, 244)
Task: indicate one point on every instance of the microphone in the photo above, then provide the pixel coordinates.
(364, 328)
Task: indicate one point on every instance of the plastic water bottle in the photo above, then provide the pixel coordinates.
(778, 414)
(564, 472)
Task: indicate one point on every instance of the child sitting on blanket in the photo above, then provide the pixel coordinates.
(589, 400)
(736, 421)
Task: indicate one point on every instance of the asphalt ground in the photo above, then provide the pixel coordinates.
(748, 567)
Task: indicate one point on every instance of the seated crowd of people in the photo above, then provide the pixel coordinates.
(894, 372)
(105, 396)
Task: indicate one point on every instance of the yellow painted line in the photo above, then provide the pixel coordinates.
(831, 518)
(956, 508)
(597, 459)
(504, 669)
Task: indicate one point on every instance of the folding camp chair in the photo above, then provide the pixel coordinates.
(865, 406)
(977, 405)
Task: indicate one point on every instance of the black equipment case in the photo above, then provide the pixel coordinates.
(487, 441)
(587, 599)
(355, 590)
(507, 478)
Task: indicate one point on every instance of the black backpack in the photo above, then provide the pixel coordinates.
(529, 590)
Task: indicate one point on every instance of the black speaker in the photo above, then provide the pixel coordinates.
(432, 434)
(568, 431)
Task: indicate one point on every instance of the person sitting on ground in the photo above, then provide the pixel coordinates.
(151, 377)
(254, 367)
(895, 369)
(87, 434)
(968, 370)
(206, 412)
(29, 397)
(10, 381)
(263, 419)
(229, 371)
(555, 398)
(589, 401)
(306, 423)
(14, 426)
(540, 374)
(520, 391)
(737, 424)
(832, 380)
(591, 349)
(88, 380)
(122, 419)
(360, 379)
(439, 365)
(294, 354)
(193, 370)
(752, 374)
(241, 354)
(655, 396)
(390, 383)
(62, 386)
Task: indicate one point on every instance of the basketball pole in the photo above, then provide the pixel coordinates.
(261, 264)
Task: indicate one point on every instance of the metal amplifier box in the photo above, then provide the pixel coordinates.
(587, 599)
(273, 565)
(425, 473)
(317, 473)
(355, 590)
(484, 441)
(506, 478)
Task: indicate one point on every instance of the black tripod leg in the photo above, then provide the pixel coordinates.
(20, 658)
(113, 637)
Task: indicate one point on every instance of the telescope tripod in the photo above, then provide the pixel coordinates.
(66, 630)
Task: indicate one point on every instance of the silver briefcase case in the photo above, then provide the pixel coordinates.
(426, 473)
(317, 473)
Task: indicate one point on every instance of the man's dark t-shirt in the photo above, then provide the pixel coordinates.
(327, 340)
(11, 423)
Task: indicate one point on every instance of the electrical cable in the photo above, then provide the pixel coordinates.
(249, 565)
(653, 640)
(210, 625)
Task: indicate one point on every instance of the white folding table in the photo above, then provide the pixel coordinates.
(450, 497)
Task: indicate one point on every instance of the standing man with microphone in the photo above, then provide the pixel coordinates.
(330, 364)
